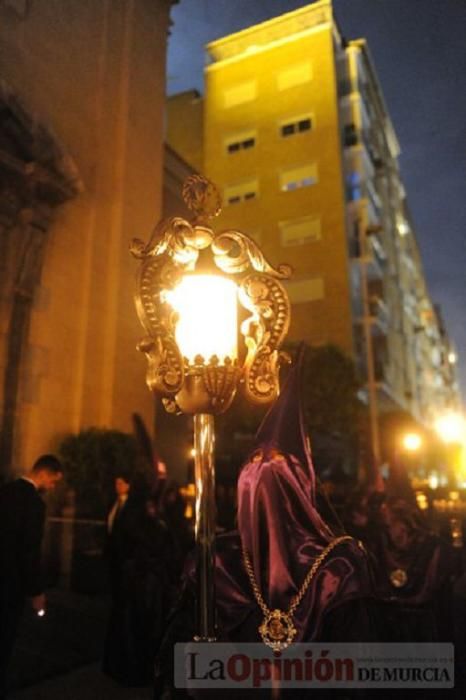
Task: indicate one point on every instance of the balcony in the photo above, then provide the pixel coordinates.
(357, 160)
(386, 394)
(379, 315)
(367, 249)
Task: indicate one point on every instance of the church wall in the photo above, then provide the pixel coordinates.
(94, 73)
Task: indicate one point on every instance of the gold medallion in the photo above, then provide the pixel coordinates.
(277, 630)
(399, 578)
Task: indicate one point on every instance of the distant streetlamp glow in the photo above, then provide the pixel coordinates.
(412, 442)
(451, 427)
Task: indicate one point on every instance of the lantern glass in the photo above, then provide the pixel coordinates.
(208, 317)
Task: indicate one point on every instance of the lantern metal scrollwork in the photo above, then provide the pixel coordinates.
(208, 384)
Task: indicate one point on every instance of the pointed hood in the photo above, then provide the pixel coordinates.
(283, 428)
(283, 532)
(278, 521)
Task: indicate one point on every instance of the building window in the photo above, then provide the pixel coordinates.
(296, 178)
(240, 142)
(243, 192)
(300, 231)
(296, 74)
(296, 126)
(239, 94)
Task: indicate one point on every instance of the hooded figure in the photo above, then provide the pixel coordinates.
(414, 570)
(280, 535)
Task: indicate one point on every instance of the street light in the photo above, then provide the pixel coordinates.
(411, 442)
(451, 428)
(190, 281)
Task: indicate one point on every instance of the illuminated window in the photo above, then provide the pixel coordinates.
(295, 127)
(296, 178)
(239, 94)
(296, 74)
(243, 192)
(306, 290)
(299, 231)
(240, 142)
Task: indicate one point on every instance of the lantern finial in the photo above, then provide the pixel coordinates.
(202, 197)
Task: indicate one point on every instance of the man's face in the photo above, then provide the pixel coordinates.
(48, 480)
(121, 486)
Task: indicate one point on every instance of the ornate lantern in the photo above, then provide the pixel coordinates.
(191, 285)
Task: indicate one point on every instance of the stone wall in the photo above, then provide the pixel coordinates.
(93, 75)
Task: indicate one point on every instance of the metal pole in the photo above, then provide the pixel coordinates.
(204, 475)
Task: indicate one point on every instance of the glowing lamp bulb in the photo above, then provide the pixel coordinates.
(208, 317)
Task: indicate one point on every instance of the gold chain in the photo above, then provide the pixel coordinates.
(310, 575)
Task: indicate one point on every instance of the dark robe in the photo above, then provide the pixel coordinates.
(22, 518)
(420, 609)
(139, 551)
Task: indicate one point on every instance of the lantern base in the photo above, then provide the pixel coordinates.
(207, 388)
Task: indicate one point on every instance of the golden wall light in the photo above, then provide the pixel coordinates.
(193, 284)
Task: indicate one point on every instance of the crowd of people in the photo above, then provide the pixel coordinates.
(288, 568)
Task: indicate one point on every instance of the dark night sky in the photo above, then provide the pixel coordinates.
(419, 49)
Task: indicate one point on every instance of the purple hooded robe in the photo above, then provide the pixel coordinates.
(280, 527)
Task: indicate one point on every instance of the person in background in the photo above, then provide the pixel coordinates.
(121, 523)
(173, 513)
(414, 572)
(22, 520)
(140, 556)
(122, 487)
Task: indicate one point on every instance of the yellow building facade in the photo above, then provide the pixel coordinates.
(271, 141)
(297, 135)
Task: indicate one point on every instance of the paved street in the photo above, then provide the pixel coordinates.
(86, 683)
(58, 656)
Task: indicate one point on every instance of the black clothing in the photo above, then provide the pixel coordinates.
(139, 550)
(22, 518)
